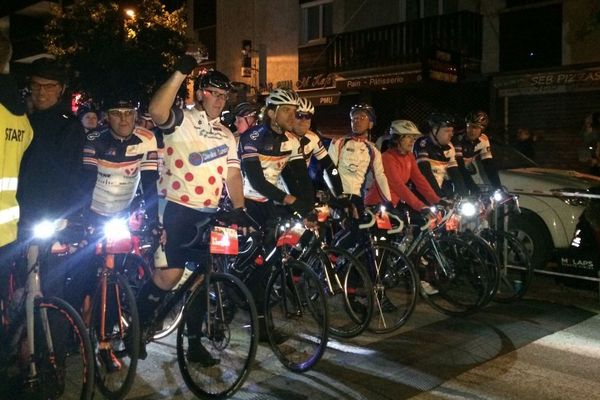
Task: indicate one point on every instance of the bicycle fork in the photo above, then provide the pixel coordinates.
(34, 292)
(104, 340)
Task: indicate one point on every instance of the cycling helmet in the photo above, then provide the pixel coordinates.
(404, 127)
(366, 108)
(282, 97)
(440, 120)
(477, 118)
(214, 79)
(305, 106)
(246, 109)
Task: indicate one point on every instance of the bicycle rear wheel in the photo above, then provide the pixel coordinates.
(348, 288)
(394, 284)
(516, 268)
(116, 354)
(296, 311)
(457, 276)
(229, 337)
(67, 372)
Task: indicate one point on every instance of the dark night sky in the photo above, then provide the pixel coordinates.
(172, 4)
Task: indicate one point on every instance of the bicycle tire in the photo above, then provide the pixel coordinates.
(232, 340)
(488, 254)
(348, 288)
(123, 331)
(78, 379)
(461, 284)
(296, 310)
(516, 268)
(395, 287)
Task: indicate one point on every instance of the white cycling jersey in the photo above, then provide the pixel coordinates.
(355, 157)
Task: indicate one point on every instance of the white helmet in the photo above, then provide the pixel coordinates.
(404, 127)
(282, 97)
(305, 106)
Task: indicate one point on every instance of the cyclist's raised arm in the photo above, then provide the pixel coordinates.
(162, 101)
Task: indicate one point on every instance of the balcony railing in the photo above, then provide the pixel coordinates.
(396, 44)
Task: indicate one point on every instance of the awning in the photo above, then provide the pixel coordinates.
(321, 97)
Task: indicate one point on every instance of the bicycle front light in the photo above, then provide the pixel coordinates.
(467, 209)
(44, 229)
(498, 195)
(116, 229)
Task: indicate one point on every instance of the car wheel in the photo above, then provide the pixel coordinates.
(533, 234)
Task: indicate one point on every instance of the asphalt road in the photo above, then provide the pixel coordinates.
(546, 346)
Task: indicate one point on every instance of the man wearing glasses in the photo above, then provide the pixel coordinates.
(50, 173)
(200, 156)
(356, 157)
(312, 147)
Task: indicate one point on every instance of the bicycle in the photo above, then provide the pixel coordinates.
(46, 351)
(515, 268)
(230, 324)
(393, 275)
(454, 279)
(114, 324)
(295, 303)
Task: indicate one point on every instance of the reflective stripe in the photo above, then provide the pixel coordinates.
(8, 184)
(9, 215)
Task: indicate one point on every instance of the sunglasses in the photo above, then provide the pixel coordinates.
(300, 115)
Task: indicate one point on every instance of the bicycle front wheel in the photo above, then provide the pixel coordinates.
(63, 352)
(454, 277)
(394, 286)
(115, 334)
(296, 316)
(348, 288)
(215, 357)
(516, 269)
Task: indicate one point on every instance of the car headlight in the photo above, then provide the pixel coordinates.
(116, 229)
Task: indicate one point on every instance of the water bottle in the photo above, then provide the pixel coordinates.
(187, 271)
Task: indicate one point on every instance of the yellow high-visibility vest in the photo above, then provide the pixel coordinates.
(15, 136)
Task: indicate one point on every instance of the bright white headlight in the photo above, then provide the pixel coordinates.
(498, 195)
(44, 230)
(468, 209)
(382, 209)
(116, 229)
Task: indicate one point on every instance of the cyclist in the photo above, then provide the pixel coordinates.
(269, 151)
(401, 168)
(16, 137)
(313, 147)
(200, 156)
(356, 156)
(436, 157)
(246, 116)
(473, 144)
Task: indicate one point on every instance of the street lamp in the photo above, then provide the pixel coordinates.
(130, 12)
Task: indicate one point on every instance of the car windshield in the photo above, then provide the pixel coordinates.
(508, 158)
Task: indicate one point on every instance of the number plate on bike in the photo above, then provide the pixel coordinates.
(223, 241)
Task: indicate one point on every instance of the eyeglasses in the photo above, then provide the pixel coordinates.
(301, 115)
(121, 112)
(220, 96)
(359, 118)
(36, 87)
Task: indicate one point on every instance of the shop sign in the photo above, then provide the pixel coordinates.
(549, 82)
(387, 81)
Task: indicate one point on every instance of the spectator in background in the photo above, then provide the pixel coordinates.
(88, 116)
(525, 142)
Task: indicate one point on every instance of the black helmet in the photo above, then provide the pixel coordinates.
(246, 109)
(367, 108)
(48, 68)
(478, 118)
(440, 120)
(214, 79)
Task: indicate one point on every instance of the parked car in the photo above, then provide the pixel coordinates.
(547, 221)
